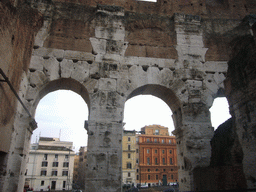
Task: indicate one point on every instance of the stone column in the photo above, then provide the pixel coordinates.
(193, 128)
(18, 156)
(105, 127)
(193, 138)
(105, 130)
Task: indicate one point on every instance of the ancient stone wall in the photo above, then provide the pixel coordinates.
(111, 51)
(18, 26)
(240, 90)
(226, 170)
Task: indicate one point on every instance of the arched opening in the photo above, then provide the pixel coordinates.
(219, 111)
(61, 114)
(147, 110)
(61, 111)
(151, 160)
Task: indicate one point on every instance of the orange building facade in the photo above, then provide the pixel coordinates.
(157, 156)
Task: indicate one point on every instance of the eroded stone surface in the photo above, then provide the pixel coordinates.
(110, 53)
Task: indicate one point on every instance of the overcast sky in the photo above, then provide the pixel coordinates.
(62, 114)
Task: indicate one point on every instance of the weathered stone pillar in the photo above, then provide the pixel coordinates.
(104, 156)
(19, 150)
(105, 127)
(193, 141)
(193, 128)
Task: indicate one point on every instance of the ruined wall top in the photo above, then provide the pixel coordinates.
(204, 8)
(149, 26)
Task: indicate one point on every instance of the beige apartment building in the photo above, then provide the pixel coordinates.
(50, 165)
(129, 158)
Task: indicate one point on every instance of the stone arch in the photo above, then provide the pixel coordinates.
(160, 91)
(64, 84)
(22, 123)
(165, 94)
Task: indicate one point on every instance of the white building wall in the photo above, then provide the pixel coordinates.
(34, 167)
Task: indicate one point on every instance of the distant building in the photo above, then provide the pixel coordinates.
(80, 168)
(157, 156)
(76, 169)
(129, 158)
(50, 165)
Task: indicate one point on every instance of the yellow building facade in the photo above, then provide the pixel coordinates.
(129, 158)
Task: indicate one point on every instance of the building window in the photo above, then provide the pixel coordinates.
(171, 161)
(148, 140)
(129, 174)
(155, 140)
(137, 160)
(138, 177)
(54, 173)
(55, 164)
(148, 170)
(170, 141)
(171, 176)
(155, 150)
(156, 161)
(43, 172)
(137, 170)
(44, 164)
(137, 139)
(162, 140)
(137, 150)
(129, 155)
(148, 177)
(64, 173)
(66, 158)
(147, 150)
(129, 147)
(156, 169)
(163, 161)
(42, 183)
(148, 161)
(163, 151)
(45, 156)
(163, 170)
(156, 132)
(129, 165)
(56, 157)
(156, 176)
(64, 185)
(129, 139)
(170, 151)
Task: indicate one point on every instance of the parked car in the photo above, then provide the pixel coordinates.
(144, 185)
(173, 184)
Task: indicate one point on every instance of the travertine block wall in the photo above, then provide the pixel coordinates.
(240, 90)
(108, 54)
(18, 26)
